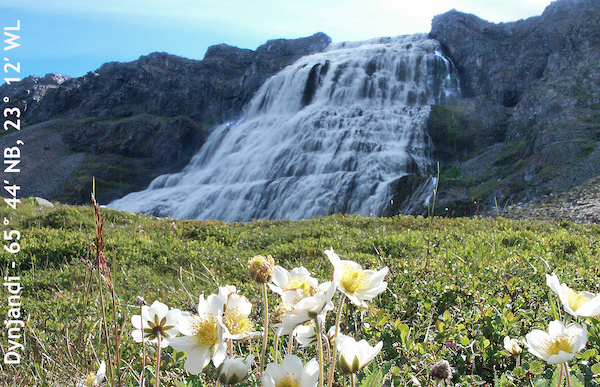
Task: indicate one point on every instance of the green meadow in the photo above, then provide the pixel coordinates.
(456, 288)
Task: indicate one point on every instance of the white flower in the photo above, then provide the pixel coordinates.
(203, 336)
(357, 284)
(353, 355)
(94, 379)
(291, 373)
(560, 344)
(307, 309)
(293, 285)
(512, 346)
(155, 319)
(236, 322)
(235, 369)
(583, 304)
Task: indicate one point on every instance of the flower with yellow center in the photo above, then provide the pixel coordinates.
(291, 373)
(293, 285)
(203, 336)
(236, 321)
(156, 319)
(582, 304)
(308, 309)
(357, 284)
(94, 379)
(559, 344)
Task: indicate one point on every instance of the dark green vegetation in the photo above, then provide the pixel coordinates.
(456, 286)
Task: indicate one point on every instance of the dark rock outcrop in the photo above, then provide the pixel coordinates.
(126, 123)
(529, 123)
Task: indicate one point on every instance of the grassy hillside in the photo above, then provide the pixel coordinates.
(456, 287)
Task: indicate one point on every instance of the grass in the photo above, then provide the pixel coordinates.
(456, 287)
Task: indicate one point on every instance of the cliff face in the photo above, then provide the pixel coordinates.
(126, 123)
(529, 123)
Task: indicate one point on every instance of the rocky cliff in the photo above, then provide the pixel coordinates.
(527, 125)
(529, 122)
(126, 123)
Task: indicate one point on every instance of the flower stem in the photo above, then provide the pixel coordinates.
(158, 336)
(276, 347)
(266, 327)
(337, 331)
(560, 376)
(320, 348)
(142, 384)
(352, 380)
(567, 374)
(104, 325)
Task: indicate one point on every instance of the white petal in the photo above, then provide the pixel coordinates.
(136, 321)
(159, 309)
(100, 373)
(137, 336)
(590, 308)
(183, 343)
(197, 359)
(580, 332)
(275, 372)
(220, 354)
(280, 278)
(240, 303)
(310, 374)
(333, 258)
(293, 364)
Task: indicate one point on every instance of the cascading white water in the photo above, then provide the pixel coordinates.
(331, 133)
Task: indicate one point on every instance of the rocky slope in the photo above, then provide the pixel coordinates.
(529, 123)
(126, 123)
(526, 129)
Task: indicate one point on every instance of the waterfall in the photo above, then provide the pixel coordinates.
(330, 133)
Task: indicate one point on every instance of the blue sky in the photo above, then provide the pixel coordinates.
(72, 37)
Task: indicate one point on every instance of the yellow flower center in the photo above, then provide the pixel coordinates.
(236, 322)
(288, 381)
(576, 300)
(206, 331)
(298, 282)
(353, 279)
(553, 345)
(89, 380)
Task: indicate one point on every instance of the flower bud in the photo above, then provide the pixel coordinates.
(234, 370)
(512, 346)
(441, 371)
(139, 301)
(261, 268)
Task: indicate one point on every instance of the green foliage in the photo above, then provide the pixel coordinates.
(456, 287)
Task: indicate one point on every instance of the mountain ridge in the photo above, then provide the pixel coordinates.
(527, 125)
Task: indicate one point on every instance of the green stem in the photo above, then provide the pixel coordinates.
(142, 384)
(117, 334)
(352, 380)
(276, 347)
(320, 348)
(266, 327)
(567, 374)
(560, 376)
(104, 323)
(157, 361)
(337, 331)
